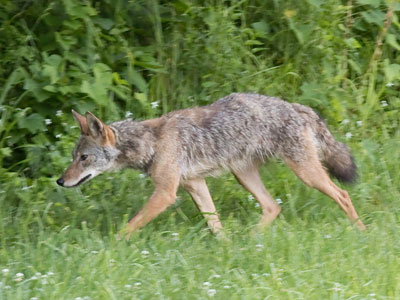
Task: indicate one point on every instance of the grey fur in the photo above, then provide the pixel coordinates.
(232, 133)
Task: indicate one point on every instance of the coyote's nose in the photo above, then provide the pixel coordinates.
(60, 182)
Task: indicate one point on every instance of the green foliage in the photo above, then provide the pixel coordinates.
(151, 57)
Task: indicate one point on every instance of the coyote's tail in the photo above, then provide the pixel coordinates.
(334, 155)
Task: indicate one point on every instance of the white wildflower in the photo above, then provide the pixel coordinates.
(257, 205)
(128, 286)
(216, 276)
(145, 252)
(259, 247)
(78, 298)
(226, 287)
(389, 84)
(138, 283)
(266, 274)
(5, 271)
(211, 292)
(59, 113)
(27, 187)
(50, 273)
(94, 252)
(279, 200)
(345, 121)
(384, 103)
(327, 236)
(154, 104)
(58, 135)
(250, 198)
(348, 135)
(34, 298)
(359, 123)
(337, 287)
(128, 114)
(206, 284)
(19, 277)
(47, 121)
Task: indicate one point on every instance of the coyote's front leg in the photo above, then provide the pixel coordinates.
(166, 185)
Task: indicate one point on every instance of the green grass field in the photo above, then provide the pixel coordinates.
(66, 248)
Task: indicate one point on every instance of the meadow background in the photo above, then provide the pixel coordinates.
(143, 58)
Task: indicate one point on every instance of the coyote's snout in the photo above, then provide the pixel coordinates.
(237, 133)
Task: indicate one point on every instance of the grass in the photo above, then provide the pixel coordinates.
(297, 260)
(66, 247)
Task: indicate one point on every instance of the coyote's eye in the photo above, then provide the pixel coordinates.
(83, 157)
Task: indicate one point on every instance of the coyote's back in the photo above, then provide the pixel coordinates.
(240, 129)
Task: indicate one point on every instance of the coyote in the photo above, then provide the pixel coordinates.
(237, 133)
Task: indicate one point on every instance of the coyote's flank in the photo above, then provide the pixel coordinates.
(237, 133)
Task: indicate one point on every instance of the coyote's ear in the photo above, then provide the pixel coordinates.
(81, 121)
(98, 130)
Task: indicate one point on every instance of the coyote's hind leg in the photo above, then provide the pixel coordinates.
(313, 174)
(198, 189)
(250, 179)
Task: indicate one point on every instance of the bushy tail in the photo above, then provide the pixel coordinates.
(334, 155)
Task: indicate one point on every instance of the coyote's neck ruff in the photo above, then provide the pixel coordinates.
(237, 133)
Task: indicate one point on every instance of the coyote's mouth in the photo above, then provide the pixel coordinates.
(83, 180)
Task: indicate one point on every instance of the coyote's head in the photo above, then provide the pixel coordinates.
(94, 153)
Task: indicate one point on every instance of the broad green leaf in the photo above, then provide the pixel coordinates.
(355, 66)
(253, 42)
(97, 88)
(118, 80)
(50, 88)
(65, 41)
(51, 68)
(392, 72)
(135, 78)
(142, 97)
(373, 3)
(78, 10)
(392, 41)
(69, 89)
(36, 89)
(104, 23)
(33, 123)
(6, 151)
(374, 17)
(316, 3)
(261, 27)
(353, 43)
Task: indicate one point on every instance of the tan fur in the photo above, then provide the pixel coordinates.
(198, 189)
(72, 171)
(251, 181)
(312, 173)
